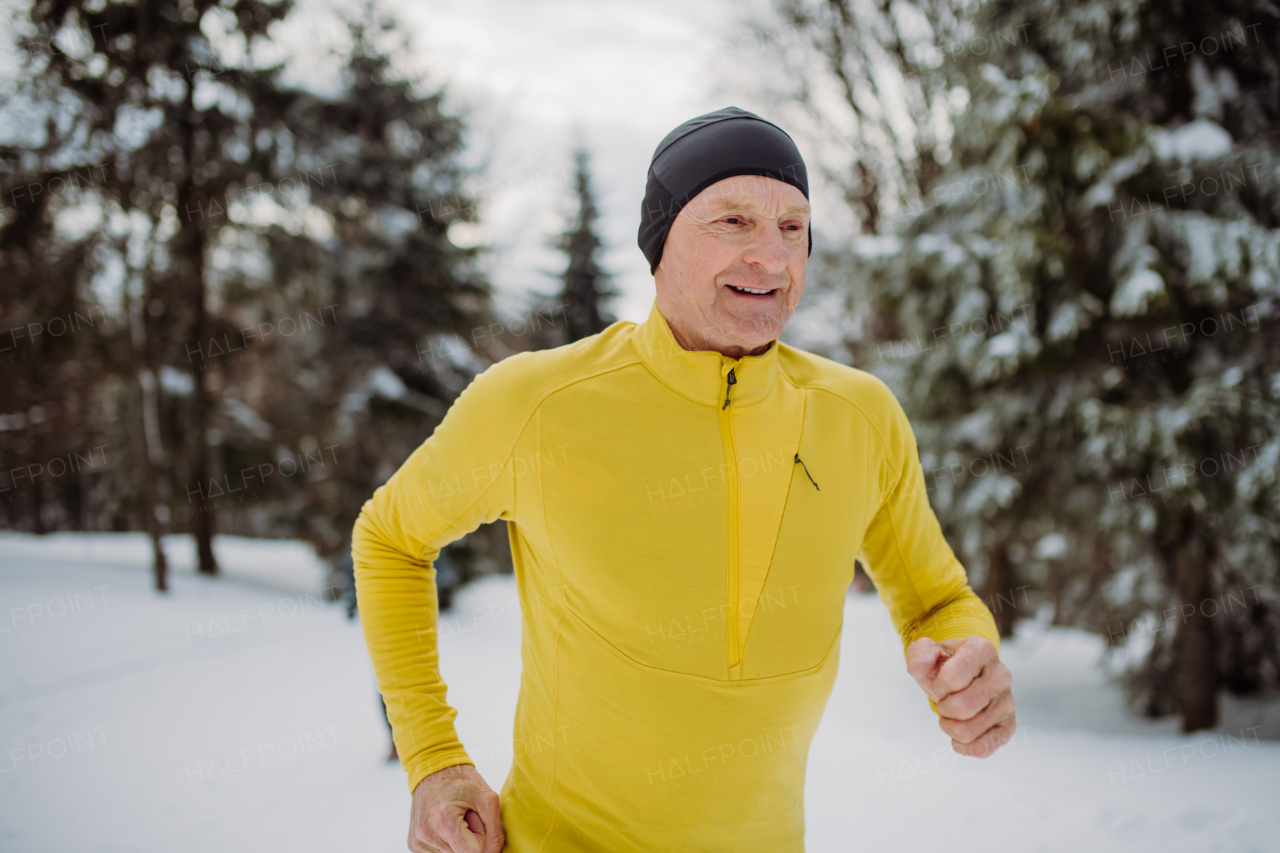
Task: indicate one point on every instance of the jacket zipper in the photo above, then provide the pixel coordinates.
(733, 593)
(730, 381)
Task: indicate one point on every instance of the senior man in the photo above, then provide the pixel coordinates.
(685, 500)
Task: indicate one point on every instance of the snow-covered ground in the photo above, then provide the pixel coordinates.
(241, 714)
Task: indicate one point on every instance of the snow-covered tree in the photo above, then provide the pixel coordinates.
(1080, 315)
(271, 313)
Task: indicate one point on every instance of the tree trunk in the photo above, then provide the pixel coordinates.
(191, 247)
(203, 526)
(152, 458)
(159, 563)
(37, 506)
(1196, 643)
(152, 450)
(999, 592)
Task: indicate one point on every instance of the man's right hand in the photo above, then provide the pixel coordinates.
(455, 811)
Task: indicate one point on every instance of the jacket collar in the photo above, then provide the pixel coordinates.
(700, 375)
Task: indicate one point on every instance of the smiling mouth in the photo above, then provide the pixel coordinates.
(748, 291)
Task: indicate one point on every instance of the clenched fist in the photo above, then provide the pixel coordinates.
(972, 689)
(455, 811)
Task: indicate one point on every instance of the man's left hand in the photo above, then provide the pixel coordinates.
(972, 689)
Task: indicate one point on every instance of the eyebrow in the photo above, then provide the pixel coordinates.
(737, 202)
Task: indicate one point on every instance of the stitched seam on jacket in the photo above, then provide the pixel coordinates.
(884, 443)
(660, 379)
(524, 423)
(555, 712)
(627, 659)
(804, 400)
(884, 503)
(897, 542)
(555, 695)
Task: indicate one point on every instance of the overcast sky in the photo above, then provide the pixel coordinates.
(533, 80)
(616, 75)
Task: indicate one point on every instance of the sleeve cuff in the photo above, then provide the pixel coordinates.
(424, 767)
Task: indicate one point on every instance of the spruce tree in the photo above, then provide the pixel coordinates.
(169, 176)
(277, 266)
(585, 285)
(375, 383)
(1080, 315)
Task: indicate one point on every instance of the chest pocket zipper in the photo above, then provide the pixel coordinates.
(806, 472)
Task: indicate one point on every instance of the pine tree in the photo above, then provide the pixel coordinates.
(585, 286)
(1080, 315)
(243, 210)
(169, 186)
(375, 383)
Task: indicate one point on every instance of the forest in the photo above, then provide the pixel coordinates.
(231, 304)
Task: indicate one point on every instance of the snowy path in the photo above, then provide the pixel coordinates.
(239, 716)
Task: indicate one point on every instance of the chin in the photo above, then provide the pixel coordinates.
(756, 331)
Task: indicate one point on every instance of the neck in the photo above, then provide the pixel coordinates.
(697, 343)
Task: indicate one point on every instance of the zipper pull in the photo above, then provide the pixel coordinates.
(806, 472)
(731, 381)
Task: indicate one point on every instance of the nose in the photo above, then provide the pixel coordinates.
(768, 250)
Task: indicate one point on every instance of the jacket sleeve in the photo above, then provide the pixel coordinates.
(914, 569)
(458, 479)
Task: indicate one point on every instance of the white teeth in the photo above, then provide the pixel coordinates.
(749, 290)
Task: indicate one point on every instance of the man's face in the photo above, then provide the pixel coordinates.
(733, 265)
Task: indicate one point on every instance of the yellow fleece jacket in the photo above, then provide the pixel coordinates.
(683, 527)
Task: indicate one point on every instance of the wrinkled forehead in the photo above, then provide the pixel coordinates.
(756, 193)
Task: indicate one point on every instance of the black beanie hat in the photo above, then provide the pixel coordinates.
(707, 149)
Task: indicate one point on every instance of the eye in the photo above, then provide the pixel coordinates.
(733, 220)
